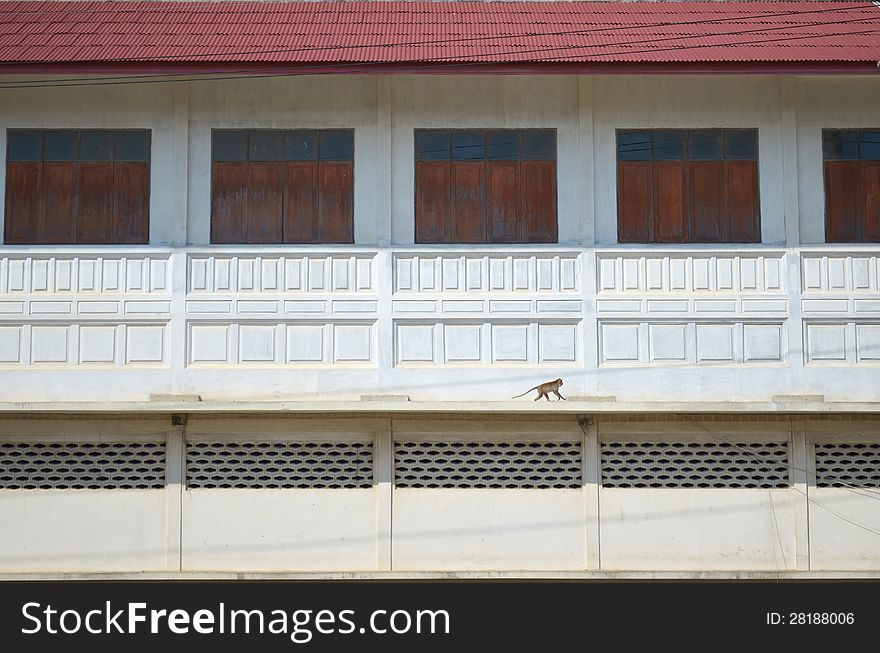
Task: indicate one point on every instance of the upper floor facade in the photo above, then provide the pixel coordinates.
(218, 289)
(577, 161)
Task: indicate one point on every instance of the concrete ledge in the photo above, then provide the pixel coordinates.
(603, 576)
(394, 406)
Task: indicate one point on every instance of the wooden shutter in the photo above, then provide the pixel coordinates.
(95, 203)
(706, 185)
(264, 197)
(634, 202)
(432, 201)
(336, 194)
(842, 199)
(502, 190)
(670, 202)
(468, 202)
(301, 202)
(743, 209)
(228, 205)
(60, 203)
(871, 199)
(131, 182)
(23, 200)
(538, 184)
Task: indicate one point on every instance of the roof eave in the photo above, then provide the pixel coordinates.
(443, 68)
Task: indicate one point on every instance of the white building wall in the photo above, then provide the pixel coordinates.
(688, 102)
(456, 323)
(159, 107)
(826, 103)
(308, 102)
(68, 530)
(384, 111)
(512, 102)
(382, 528)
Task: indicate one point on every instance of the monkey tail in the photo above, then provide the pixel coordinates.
(526, 392)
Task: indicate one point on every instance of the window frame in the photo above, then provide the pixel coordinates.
(288, 228)
(859, 171)
(684, 173)
(490, 226)
(129, 188)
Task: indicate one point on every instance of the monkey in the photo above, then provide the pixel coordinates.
(545, 389)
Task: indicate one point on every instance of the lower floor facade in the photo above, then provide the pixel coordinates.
(408, 493)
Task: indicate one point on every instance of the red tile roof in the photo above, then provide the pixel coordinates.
(430, 34)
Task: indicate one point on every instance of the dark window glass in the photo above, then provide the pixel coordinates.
(633, 146)
(301, 145)
(266, 146)
(60, 146)
(229, 145)
(336, 145)
(96, 146)
(432, 145)
(869, 145)
(467, 146)
(704, 144)
(740, 145)
(502, 145)
(538, 144)
(132, 146)
(669, 145)
(840, 144)
(24, 146)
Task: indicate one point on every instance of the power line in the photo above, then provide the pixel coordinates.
(304, 68)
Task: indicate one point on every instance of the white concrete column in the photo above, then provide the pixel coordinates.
(384, 322)
(788, 120)
(801, 501)
(174, 479)
(592, 480)
(384, 134)
(586, 180)
(794, 324)
(177, 335)
(589, 325)
(384, 475)
(171, 228)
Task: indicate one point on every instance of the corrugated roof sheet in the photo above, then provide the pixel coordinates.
(438, 32)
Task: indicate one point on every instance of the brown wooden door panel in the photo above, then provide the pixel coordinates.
(743, 205)
(871, 206)
(228, 202)
(58, 224)
(538, 185)
(264, 196)
(95, 203)
(842, 199)
(131, 181)
(432, 200)
(301, 202)
(336, 179)
(706, 193)
(505, 224)
(23, 200)
(635, 202)
(466, 224)
(670, 202)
